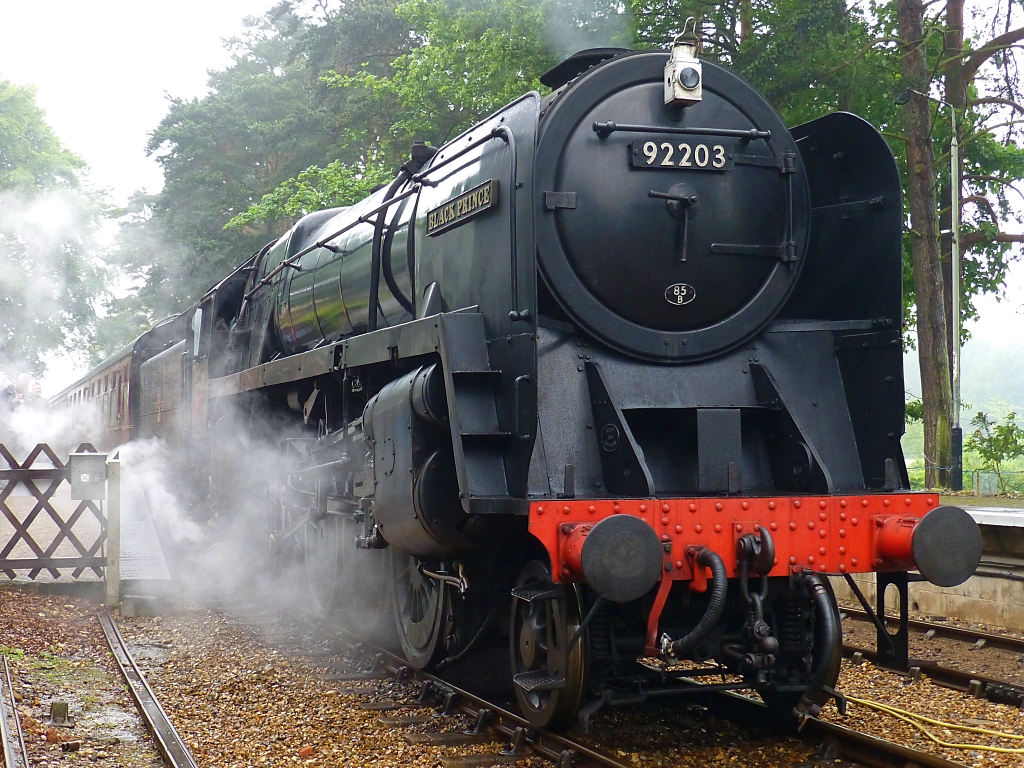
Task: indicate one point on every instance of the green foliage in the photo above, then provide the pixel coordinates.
(471, 58)
(31, 156)
(261, 123)
(476, 56)
(996, 443)
(259, 126)
(323, 99)
(914, 410)
(314, 189)
(268, 130)
(807, 58)
(50, 272)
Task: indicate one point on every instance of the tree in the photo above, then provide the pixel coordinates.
(259, 125)
(49, 267)
(474, 57)
(932, 44)
(932, 333)
(470, 57)
(996, 443)
(268, 118)
(980, 82)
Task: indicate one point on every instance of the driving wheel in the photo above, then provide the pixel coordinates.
(323, 559)
(423, 613)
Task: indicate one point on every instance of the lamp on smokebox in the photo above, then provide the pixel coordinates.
(957, 433)
(684, 74)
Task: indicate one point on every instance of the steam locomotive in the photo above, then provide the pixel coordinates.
(613, 377)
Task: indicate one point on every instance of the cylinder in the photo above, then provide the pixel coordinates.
(894, 541)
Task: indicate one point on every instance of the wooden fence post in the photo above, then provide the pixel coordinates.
(113, 569)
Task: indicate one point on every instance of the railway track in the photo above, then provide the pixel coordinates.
(167, 740)
(937, 629)
(832, 742)
(492, 722)
(979, 685)
(11, 735)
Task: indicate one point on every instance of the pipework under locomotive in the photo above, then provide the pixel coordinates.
(615, 374)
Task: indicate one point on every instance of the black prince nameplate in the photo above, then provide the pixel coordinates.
(461, 209)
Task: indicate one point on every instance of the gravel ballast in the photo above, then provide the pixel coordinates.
(250, 690)
(56, 652)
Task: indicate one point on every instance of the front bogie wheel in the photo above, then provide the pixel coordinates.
(549, 675)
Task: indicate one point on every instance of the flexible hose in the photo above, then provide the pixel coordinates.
(488, 620)
(831, 641)
(719, 585)
(917, 721)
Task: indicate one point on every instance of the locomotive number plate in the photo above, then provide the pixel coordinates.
(662, 155)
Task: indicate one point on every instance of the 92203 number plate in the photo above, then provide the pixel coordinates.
(661, 154)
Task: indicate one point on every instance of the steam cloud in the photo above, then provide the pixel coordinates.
(574, 25)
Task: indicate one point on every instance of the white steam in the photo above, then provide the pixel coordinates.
(146, 483)
(574, 25)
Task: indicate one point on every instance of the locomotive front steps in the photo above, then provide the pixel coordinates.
(533, 592)
(539, 680)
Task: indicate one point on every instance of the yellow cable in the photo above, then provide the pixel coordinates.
(912, 719)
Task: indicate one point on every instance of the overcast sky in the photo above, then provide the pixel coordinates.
(103, 71)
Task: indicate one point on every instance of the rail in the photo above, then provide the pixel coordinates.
(558, 748)
(168, 742)
(979, 685)
(1013, 644)
(565, 751)
(854, 746)
(15, 752)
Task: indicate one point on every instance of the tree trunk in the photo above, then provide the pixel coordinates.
(746, 15)
(956, 96)
(936, 392)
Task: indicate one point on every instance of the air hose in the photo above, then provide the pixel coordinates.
(706, 558)
(827, 625)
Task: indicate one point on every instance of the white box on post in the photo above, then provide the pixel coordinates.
(88, 476)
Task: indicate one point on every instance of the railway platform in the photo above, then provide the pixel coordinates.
(994, 595)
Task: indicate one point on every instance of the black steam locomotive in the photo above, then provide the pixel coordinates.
(614, 375)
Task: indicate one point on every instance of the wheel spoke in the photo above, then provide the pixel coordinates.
(420, 610)
(538, 630)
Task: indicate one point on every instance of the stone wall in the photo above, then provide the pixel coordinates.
(991, 600)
